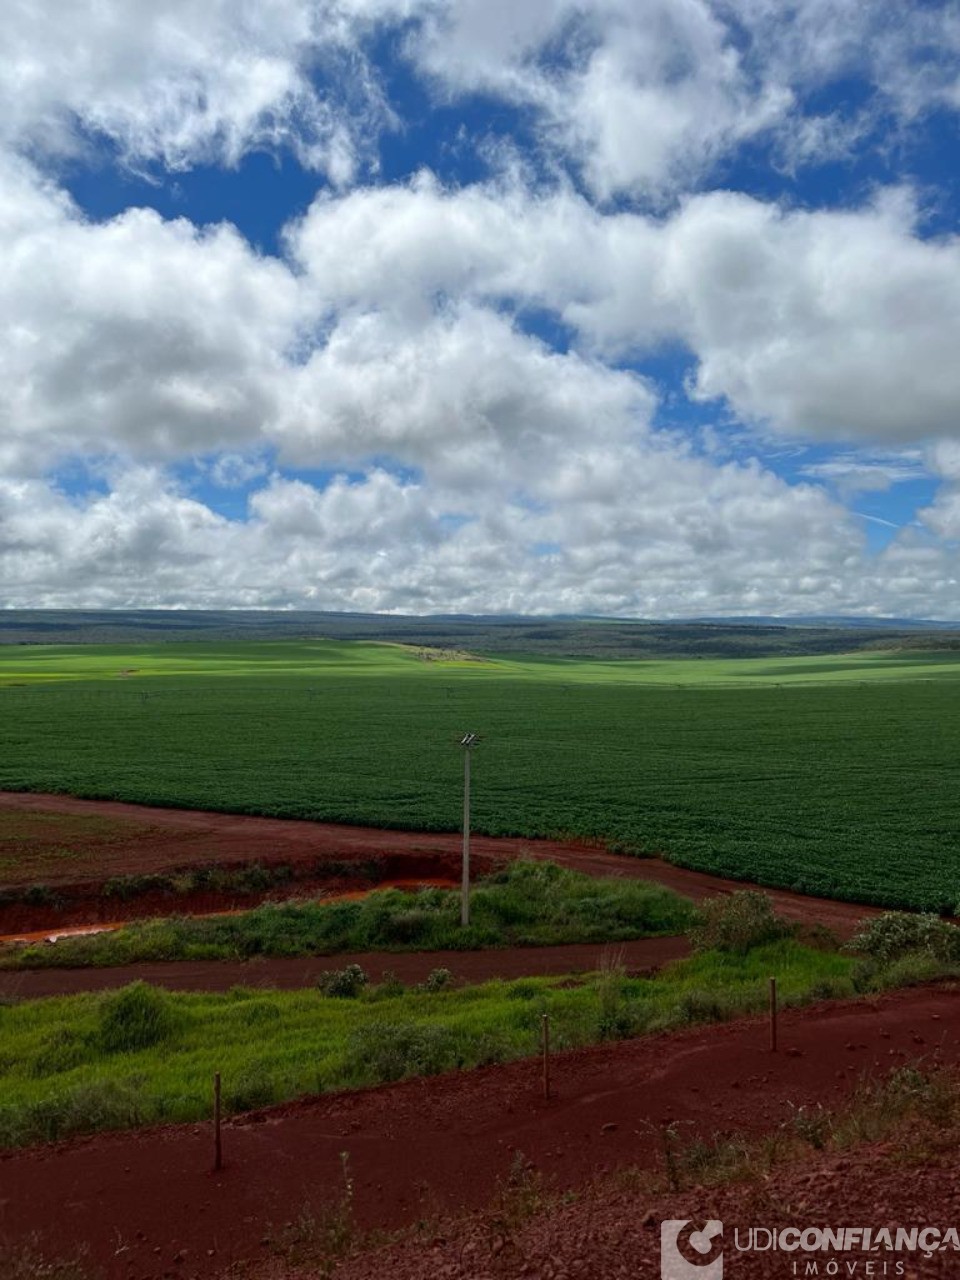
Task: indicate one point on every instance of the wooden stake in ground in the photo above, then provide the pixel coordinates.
(545, 1024)
(217, 1144)
(773, 1015)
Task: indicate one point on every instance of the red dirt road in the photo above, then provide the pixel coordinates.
(146, 1204)
(291, 974)
(164, 839)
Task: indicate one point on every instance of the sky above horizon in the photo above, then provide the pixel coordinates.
(419, 306)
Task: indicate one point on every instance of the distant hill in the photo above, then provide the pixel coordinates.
(579, 637)
(840, 621)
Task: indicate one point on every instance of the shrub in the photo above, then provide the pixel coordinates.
(436, 980)
(737, 923)
(252, 879)
(346, 983)
(909, 971)
(830, 989)
(135, 1018)
(411, 925)
(703, 1006)
(897, 934)
(126, 887)
(389, 986)
(613, 1021)
(98, 1104)
(382, 1051)
(254, 1087)
(40, 895)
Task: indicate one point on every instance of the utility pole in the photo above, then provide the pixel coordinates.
(468, 742)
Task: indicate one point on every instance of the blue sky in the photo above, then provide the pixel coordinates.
(441, 305)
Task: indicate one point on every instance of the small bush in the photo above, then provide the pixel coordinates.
(613, 1020)
(100, 1104)
(383, 1051)
(346, 984)
(703, 1006)
(908, 971)
(407, 926)
(254, 1087)
(812, 1124)
(897, 934)
(520, 1195)
(389, 986)
(737, 923)
(135, 1018)
(487, 1048)
(436, 980)
(830, 989)
(252, 879)
(40, 895)
(316, 1238)
(132, 886)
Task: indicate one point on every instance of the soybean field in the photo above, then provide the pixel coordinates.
(835, 776)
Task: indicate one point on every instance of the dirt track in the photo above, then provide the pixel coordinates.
(146, 1204)
(466, 966)
(164, 839)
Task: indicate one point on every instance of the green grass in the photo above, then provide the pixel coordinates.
(37, 664)
(133, 1057)
(831, 775)
(527, 904)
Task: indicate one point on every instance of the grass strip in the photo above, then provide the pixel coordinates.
(107, 1061)
(526, 904)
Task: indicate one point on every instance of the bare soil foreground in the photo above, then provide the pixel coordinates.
(139, 840)
(612, 1234)
(147, 1204)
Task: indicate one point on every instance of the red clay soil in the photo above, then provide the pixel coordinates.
(611, 1233)
(640, 956)
(85, 903)
(162, 840)
(147, 1204)
(168, 839)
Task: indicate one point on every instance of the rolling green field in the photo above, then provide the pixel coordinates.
(832, 775)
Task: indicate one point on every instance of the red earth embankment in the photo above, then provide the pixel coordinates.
(163, 840)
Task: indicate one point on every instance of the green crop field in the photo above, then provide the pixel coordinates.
(833, 775)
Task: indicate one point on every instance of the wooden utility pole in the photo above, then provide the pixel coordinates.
(468, 741)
